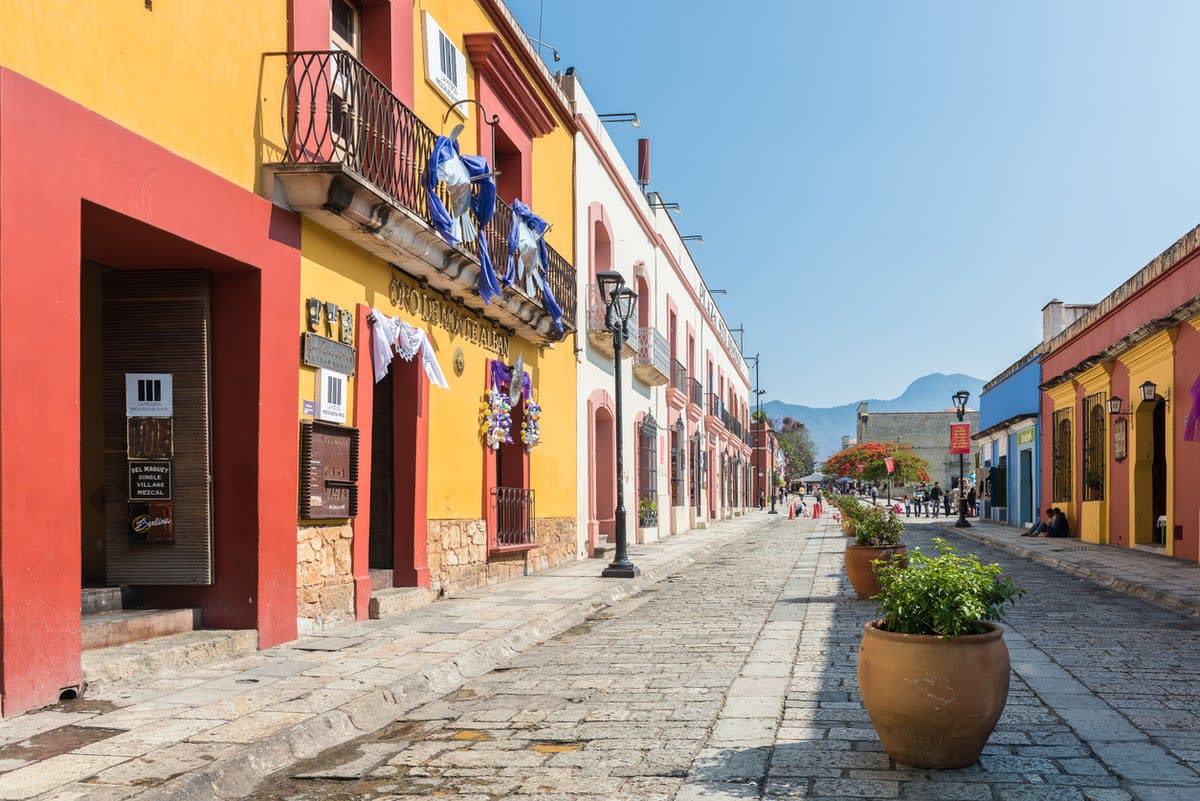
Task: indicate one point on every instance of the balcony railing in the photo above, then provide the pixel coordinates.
(597, 328)
(514, 517)
(697, 396)
(735, 427)
(716, 408)
(679, 376)
(653, 362)
(342, 126)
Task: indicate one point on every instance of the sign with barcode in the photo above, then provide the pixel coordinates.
(148, 395)
(331, 396)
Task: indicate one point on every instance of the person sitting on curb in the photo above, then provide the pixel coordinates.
(1059, 527)
(1042, 527)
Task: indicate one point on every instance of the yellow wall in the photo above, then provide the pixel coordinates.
(337, 271)
(1062, 396)
(184, 75)
(1093, 515)
(1153, 360)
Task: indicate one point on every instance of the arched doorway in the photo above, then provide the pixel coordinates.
(603, 473)
(1150, 473)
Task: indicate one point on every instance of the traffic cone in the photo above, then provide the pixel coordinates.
(791, 512)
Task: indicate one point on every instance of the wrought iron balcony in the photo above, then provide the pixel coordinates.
(514, 518)
(653, 362)
(598, 331)
(679, 376)
(697, 395)
(353, 158)
(716, 409)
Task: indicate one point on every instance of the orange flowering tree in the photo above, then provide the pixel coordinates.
(867, 462)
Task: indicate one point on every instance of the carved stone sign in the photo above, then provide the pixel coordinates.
(319, 351)
(328, 471)
(150, 481)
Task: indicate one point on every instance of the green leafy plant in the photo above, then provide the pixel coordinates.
(878, 528)
(945, 595)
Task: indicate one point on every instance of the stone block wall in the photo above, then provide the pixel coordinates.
(458, 553)
(927, 432)
(324, 581)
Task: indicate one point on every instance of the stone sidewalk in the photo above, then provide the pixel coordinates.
(215, 731)
(1159, 579)
(1162, 580)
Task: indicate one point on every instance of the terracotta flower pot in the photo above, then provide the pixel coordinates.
(849, 527)
(933, 701)
(861, 572)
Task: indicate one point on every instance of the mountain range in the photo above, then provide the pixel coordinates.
(828, 424)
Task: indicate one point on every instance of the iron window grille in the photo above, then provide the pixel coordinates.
(678, 459)
(647, 490)
(1093, 446)
(514, 517)
(1062, 455)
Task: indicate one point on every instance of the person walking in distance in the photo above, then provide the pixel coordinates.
(935, 498)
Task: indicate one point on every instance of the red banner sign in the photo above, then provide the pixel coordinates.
(890, 464)
(960, 437)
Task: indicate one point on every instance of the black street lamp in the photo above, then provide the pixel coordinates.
(766, 438)
(619, 303)
(960, 408)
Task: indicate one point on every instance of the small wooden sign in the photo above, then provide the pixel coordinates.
(149, 437)
(150, 481)
(328, 471)
(152, 523)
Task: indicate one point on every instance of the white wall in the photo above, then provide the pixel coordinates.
(644, 242)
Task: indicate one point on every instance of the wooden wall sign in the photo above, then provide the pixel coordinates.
(152, 523)
(150, 437)
(328, 471)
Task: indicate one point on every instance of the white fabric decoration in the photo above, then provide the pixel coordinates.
(390, 336)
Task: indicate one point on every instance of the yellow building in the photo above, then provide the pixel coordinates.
(404, 497)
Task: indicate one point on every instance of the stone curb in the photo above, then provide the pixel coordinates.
(240, 775)
(1100, 577)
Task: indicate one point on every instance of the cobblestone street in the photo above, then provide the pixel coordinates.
(735, 679)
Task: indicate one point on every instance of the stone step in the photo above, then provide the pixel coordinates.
(397, 601)
(129, 663)
(100, 599)
(381, 579)
(106, 629)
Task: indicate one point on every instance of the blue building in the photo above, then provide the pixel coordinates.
(1006, 447)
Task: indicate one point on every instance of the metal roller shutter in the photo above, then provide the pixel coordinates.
(158, 322)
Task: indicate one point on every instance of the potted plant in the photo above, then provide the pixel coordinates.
(876, 541)
(851, 512)
(933, 670)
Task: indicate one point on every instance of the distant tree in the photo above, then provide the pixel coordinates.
(867, 462)
(797, 445)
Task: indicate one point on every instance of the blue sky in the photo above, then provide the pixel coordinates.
(889, 189)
